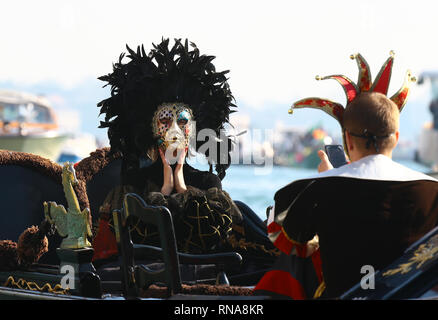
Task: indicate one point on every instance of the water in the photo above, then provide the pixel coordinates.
(246, 184)
(256, 190)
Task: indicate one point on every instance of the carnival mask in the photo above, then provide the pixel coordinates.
(172, 124)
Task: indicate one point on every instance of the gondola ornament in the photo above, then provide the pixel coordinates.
(424, 253)
(73, 223)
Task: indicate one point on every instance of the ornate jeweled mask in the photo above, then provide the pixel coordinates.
(172, 124)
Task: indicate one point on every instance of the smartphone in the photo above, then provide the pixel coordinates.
(336, 155)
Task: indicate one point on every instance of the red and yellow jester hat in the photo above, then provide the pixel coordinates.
(352, 90)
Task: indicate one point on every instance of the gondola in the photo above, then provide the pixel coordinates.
(39, 181)
(144, 272)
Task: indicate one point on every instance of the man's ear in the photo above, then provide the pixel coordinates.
(348, 141)
(397, 135)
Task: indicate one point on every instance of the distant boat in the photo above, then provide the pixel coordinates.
(300, 149)
(28, 124)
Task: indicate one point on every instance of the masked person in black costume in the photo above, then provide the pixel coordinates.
(159, 103)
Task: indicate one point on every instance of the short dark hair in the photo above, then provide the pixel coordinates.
(372, 113)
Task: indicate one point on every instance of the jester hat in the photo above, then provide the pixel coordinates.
(364, 84)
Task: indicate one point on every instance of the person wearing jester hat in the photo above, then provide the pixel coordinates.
(159, 104)
(365, 213)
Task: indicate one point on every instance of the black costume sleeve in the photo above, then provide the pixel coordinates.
(201, 179)
(301, 212)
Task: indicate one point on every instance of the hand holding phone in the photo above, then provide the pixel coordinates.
(336, 155)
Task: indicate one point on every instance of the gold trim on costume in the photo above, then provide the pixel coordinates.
(290, 239)
(320, 290)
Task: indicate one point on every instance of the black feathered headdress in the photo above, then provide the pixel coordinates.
(139, 86)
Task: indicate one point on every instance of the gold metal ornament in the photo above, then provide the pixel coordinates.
(73, 223)
(425, 252)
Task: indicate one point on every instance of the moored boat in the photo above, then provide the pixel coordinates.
(28, 124)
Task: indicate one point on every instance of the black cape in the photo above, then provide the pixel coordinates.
(364, 213)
